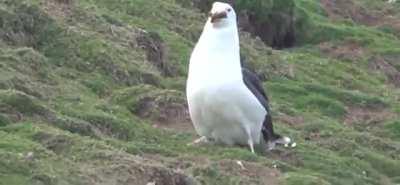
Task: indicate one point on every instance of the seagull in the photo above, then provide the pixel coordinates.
(227, 103)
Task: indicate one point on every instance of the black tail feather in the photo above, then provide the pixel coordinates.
(268, 129)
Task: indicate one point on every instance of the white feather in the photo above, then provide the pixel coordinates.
(220, 105)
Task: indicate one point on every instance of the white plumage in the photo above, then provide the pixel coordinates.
(221, 107)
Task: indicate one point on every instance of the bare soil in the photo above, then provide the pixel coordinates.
(357, 115)
(265, 175)
(126, 169)
(186, 127)
(345, 9)
(380, 64)
(286, 155)
(348, 50)
(58, 8)
(290, 120)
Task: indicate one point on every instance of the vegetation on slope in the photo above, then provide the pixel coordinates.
(92, 92)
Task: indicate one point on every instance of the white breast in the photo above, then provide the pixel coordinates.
(221, 107)
(225, 110)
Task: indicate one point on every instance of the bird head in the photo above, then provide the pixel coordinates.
(222, 15)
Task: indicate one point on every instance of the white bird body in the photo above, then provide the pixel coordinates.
(226, 113)
(220, 105)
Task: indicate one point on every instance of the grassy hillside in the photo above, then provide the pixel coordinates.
(92, 92)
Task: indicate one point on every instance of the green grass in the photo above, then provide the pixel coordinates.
(394, 129)
(79, 94)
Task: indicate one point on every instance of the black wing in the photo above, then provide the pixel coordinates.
(255, 85)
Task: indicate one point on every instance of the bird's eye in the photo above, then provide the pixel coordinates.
(229, 9)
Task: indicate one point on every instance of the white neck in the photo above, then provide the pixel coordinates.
(216, 54)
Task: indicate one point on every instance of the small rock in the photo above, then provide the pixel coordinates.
(151, 183)
(29, 156)
(293, 145)
(241, 165)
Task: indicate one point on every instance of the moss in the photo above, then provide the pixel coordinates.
(27, 25)
(77, 126)
(99, 87)
(148, 101)
(27, 146)
(22, 103)
(394, 129)
(383, 164)
(4, 120)
(109, 126)
(28, 61)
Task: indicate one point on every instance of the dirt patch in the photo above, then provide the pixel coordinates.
(380, 64)
(291, 120)
(394, 23)
(158, 105)
(251, 170)
(10, 114)
(78, 126)
(57, 143)
(357, 115)
(18, 105)
(155, 50)
(167, 112)
(339, 9)
(123, 76)
(124, 169)
(61, 9)
(248, 171)
(286, 155)
(346, 51)
(186, 127)
(313, 136)
(345, 9)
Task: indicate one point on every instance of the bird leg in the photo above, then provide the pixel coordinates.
(270, 145)
(251, 145)
(199, 141)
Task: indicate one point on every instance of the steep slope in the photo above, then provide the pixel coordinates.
(92, 92)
